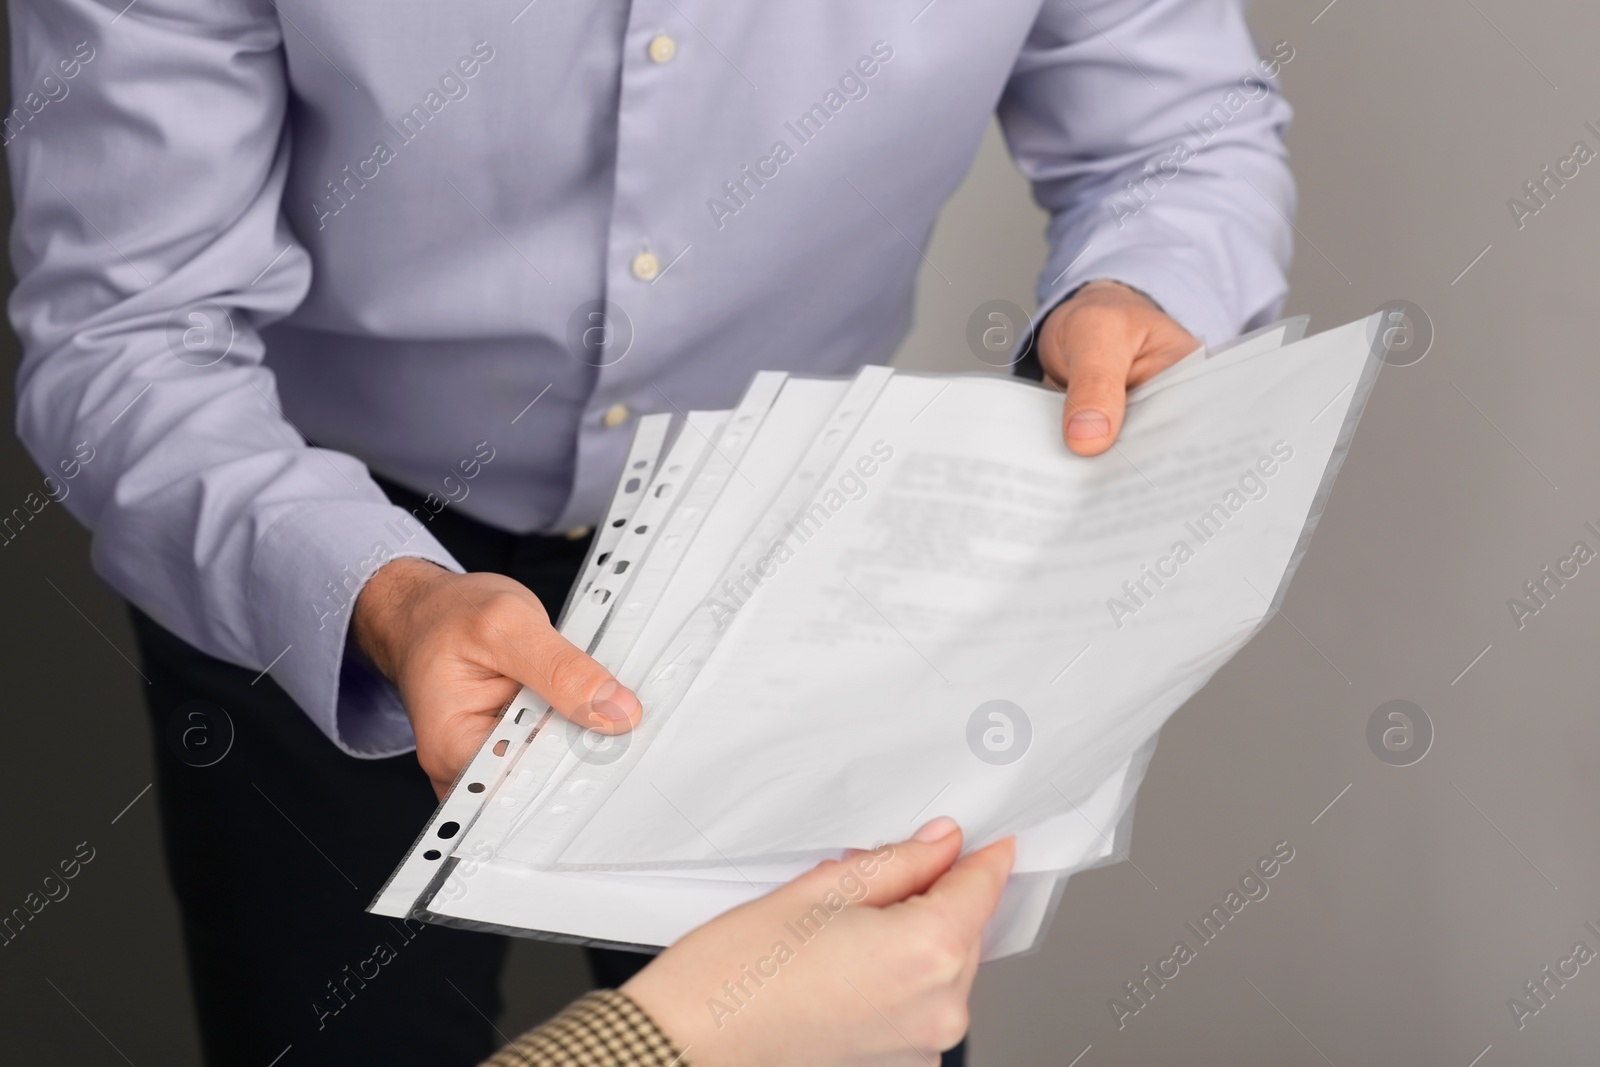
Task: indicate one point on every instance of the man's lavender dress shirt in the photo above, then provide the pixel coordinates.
(465, 245)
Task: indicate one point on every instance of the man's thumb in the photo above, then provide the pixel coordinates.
(576, 686)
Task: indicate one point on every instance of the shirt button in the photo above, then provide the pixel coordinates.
(615, 416)
(662, 48)
(578, 533)
(645, 266)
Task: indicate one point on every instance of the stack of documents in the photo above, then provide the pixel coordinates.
(849, 606)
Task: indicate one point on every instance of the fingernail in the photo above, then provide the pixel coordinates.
(937, 830)
(1086, 424)
(615, 702)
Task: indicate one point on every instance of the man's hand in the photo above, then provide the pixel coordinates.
(882, 980)
(460, 646)
(1104, 341)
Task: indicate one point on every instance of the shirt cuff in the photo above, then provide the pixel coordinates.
(1180, 292)
(602, 1029)
(309, 567)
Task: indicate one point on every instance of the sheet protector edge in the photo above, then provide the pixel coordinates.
(1364, 386)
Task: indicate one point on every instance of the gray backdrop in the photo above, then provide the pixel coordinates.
(1417, 903)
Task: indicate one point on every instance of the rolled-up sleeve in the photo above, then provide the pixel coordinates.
(1152, 133)
(150, 248)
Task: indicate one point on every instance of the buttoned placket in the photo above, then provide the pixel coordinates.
(636, 272)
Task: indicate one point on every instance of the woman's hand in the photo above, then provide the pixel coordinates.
(868, 960)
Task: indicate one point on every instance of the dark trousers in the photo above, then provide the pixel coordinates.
(276, 848)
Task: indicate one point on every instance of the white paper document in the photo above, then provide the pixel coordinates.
(849, 606)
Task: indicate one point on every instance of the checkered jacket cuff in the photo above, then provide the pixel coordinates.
(602, 1029)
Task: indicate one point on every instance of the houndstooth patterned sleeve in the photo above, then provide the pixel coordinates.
(602, 1029)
